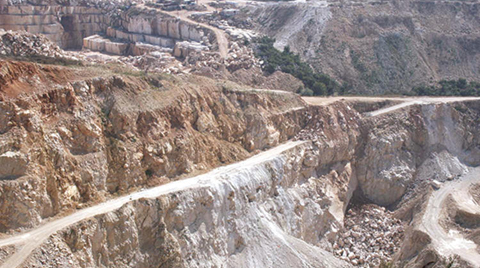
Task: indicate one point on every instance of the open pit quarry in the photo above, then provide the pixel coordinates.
(116, 171)
(147, 134)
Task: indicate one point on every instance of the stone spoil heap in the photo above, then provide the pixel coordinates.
(155, 61)
(371, 236)
(24, 44)
(240, 57)
(239, 29)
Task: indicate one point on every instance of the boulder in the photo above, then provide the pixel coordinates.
(12, 165)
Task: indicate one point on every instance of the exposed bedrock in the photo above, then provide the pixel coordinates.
(81, 142)
(64, 25)
(290, 200)
(425, 142)
(78, 143)
(68, 26)
(233, 220)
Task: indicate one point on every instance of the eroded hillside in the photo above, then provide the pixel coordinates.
(69, 144)
(73, 150)
(379, 46)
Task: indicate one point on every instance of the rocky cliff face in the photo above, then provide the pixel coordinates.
(290, 201)
(233, 220)
(380, 47)
(64, 25)
(76, 139)
(67, 24)
(424, 142)
(79, 142)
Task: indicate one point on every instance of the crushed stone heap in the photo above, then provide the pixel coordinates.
(371, 236)
(25, 44)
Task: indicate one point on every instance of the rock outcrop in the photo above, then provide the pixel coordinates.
(378, 46)
(233, 220)
(79, 142)
(64, 25)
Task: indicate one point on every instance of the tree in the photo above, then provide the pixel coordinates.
(319, 88)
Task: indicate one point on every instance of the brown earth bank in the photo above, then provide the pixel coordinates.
(73, 144)
(79, 142)
(378, 47)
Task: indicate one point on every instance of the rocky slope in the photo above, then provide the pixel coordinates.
(234, 219)
(77, 136)
(379, 47)
(76, 142)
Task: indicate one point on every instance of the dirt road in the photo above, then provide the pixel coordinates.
(405, 101)
(221, 36)
(34, 238)
(452, 242)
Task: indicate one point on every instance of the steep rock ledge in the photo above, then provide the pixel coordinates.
(424, 142)
(237, 215)
(79, 143)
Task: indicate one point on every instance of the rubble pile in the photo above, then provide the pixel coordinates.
(25, 44)
(184, 48)
(238, 29)
(371, 236)
(241, 57)
(197, 60)
(223, 4)
(157, 62)
(316, 127)
(154, 61)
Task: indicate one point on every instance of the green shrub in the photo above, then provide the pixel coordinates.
(458, 87)
(305, 92)
(289, 62)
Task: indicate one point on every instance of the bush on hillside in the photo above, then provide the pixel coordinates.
(289, 62)
(458, 87)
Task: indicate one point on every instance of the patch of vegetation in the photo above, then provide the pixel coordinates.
(357, 64)
(461, 109)
(458, 87)
(288, 62)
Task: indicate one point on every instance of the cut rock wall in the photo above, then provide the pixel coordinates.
(64, 25)
(110, 135)
(277, 205)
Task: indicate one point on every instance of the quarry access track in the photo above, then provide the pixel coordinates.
(452, 243)
(403, 101)
(222, 39)
(449, 243)
(36, 237)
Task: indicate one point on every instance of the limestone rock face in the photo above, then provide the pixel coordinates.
(233, 220)
(77, 143)
(12, 165)
(64, 25)
(423, 142)
(388, 165)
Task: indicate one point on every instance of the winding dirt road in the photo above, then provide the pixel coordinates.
(452, 242)
(34, 238)
(222, 39)
(221, 36)
(448, 243)
(405, 101)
